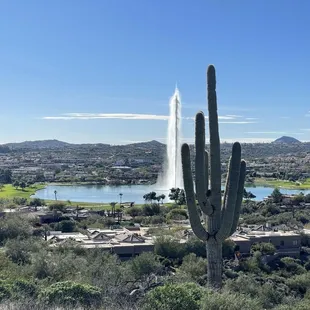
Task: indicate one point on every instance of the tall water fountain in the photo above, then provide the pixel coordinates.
(172, 172)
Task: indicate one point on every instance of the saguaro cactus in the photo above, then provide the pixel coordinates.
(221, 213)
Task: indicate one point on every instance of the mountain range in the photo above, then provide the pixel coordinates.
(56, 144)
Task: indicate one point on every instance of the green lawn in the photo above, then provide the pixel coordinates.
(282, 183)
(9, 191)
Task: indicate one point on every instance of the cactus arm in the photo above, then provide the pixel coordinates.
(226, 187)
(229, 209)
(239, 197)
(207, 173)
(200, 179)
(215, 159)
(194, 217)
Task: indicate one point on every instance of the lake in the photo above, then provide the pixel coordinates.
(131, 193)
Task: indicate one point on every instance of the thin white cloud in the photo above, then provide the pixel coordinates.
(251, 118)
(234, 116)
(130, 116)
(88, 116)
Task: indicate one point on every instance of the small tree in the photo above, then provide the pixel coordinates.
(276, 195)
(16, 184)
(22, 185)
(162, 197)
(265, 248)
(150, 196)
(178, 195)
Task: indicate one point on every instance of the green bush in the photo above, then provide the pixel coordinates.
(293, 265)
(65, 226)
(13, 226)
(145, 264)
(23, 288)
(169, 248)
(299, 283)
(228, 248)
(57, 206)
(18, 251)
(5, 290)
(174, 297)
(193, 266)
(177, 214)
(228, 301)
(71, 294)
(265, 248)
(134, 211)
(196, 246)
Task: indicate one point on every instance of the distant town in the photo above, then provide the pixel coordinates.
(286, 159)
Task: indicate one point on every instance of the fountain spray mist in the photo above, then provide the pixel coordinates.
(172, 174)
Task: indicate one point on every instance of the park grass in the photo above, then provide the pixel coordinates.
(8, 191)
(282, 183)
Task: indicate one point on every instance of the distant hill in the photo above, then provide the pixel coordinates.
(287, 140)
(56, 144)
(39, 144)
(152, 143)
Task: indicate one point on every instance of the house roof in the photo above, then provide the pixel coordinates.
(132, 238)
(100, 236)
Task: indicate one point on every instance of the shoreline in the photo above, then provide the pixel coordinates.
(259, 182)
(9, 192)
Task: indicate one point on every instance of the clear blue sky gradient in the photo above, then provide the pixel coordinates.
(121, 56)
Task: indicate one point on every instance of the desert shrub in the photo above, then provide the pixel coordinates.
(292, 265)
(23, 288)
(193, 266)
(157, 219)
(299, 283)
(228, 301)
(70, 293)
(177, 214)
(264, 247)
(196, 246)
(169, 248)
(5, 290)
(14, 226)
(20, 201)
(145, 264)
(297, 305)
(228, 248)
(174, 297)
(57, 206)
(134, 211)
(65, 226)
(19, 251)
(243, 284)
(36, 202)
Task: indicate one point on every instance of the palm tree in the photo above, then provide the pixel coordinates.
(120, 198)
(55, 192)
(112, 204)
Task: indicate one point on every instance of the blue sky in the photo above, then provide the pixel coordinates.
(62, 59)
